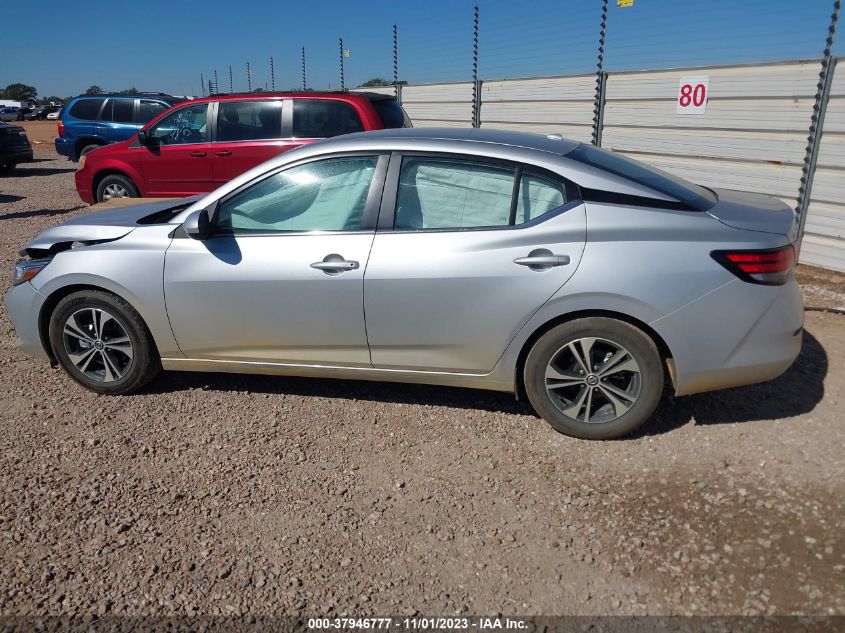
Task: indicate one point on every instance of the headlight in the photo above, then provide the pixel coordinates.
(81, 162)
(26, 270)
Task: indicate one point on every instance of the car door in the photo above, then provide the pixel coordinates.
(117, 120)
(176, 160)
(467, 250)
(247, 133)
(281, 280)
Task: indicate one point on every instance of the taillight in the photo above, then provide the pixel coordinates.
(770, 267)
(61, 128)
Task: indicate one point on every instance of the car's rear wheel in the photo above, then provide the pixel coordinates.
(102, 342)
(594, 378)
(116, 186)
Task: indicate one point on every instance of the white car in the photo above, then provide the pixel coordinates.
(54, 115)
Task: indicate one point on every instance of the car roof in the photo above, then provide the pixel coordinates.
(403, 137)
(295, 94)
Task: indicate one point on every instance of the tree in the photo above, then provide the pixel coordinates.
(378, 81)
(94, 90)
(50, 99)
(132, 92)
(19, 92)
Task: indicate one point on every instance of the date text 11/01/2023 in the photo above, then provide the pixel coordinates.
(419, 623)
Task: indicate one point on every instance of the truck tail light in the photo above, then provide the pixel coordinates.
(771, 267)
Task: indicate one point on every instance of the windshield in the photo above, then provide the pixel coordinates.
(391, 113)
(689, 194)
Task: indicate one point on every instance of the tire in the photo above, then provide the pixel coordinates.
(94, 353)
(625, 376)
(88, 148)
(5, 170)
(116, 186)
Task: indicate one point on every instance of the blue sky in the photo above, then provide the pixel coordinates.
(61, 48)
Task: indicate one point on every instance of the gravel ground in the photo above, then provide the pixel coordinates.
(216, 494)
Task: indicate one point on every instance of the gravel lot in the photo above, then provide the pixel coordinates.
(216, 494)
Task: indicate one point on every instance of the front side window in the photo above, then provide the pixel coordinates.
(183, 126)
(86, 109)
(249, 120)
(439, 193)
(321, 118)
(326, 195)
(150, 110)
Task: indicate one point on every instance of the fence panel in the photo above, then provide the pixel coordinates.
(439, 105)
(824, 233)
(550, 105)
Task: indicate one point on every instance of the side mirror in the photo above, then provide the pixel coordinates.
(198, 225)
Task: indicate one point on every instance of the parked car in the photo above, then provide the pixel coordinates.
(199, 145)
(40, 113)
(22, 112)
(473, 258)
(14, 147)
(89, 122)
(9, 114)
(54, 115)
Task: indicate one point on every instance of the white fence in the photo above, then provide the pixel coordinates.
(752, 135)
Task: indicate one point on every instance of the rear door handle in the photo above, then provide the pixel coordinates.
(199, 154)
(542, 261)
(223, 152)
(335, 264)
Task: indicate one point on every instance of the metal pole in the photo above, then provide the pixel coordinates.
(231, 85)
(476, 92)
(272, 75)
(202, 84)
(396, 85)
(303, 69)
(816, 126)
(216, 85)
(598, 107)
(248, 78)
(342, 84)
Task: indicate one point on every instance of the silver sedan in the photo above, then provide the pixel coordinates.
(528, 264)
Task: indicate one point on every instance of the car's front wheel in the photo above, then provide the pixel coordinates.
(102, 342)
(594, 378)
(116, 186)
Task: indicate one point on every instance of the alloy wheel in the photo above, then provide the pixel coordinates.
(115, 190)
(98, 344)
(593, 380)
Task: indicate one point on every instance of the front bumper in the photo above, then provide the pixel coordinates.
(23, 303)
(83, 185)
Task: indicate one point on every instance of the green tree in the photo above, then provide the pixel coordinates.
(53, 98)
(379, 81)
(94, 90)
(19, 92)
(132, 92)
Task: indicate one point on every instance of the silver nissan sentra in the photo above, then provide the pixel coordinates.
(475, 258)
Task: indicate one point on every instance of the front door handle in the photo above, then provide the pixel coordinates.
(223, 152)
(542, 261)
(335, 264)
(199, 154)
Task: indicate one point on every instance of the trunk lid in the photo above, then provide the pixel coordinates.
(755, 212)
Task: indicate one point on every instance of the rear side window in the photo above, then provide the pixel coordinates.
(322, 118)
(150, 110)
(391, 113)
(537, 196)
(249, 120)
(453, 194)
(118, 111)
(687, 193)
(86, 109)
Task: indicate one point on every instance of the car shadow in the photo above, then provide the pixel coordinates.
(25, 172)
(4, 197)
(796, 392)
(38, 213)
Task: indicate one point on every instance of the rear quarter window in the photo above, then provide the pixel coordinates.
(391, 113)
(86, 109)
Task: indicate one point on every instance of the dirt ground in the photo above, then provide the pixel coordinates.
(41, 133)
(219, 494)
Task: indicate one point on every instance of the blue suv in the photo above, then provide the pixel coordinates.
(89, 122)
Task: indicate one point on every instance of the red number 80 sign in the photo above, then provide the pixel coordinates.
(692, 94)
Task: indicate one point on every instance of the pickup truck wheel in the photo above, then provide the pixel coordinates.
(116, 186)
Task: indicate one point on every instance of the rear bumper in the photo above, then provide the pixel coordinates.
(739, 335)
(23, 303)
(15, 154)
(65, 147)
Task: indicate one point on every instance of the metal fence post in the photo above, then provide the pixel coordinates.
(476, 86)
(272, 75)
(601, 80)
(816, 127)
(231, 85)
(342, 83)
(248, 78)
(396, 86)
(304, 85)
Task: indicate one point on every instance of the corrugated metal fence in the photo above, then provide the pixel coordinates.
(752, 135)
